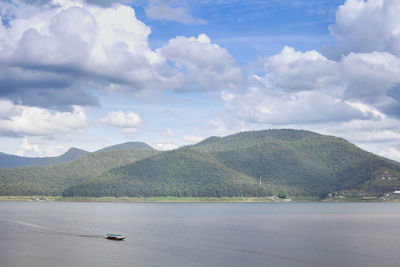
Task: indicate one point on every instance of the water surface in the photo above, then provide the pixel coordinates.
(199, 234)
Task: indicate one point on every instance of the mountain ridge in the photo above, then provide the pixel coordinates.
(286, 161)
(12, 161)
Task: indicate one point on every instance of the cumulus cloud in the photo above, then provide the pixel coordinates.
(306, 87)
(299, 108)
(165, 145)
(366, 26)
(121, 119)
(37, 148)
(390, 152)
(19, 120)
(295, 71)
(27, 149)
(59, 51)
(350, 89)
(127, 122)
(73, 45)
(370, 76)
(209, 67)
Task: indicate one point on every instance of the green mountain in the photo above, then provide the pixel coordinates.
(128, 145)
(53, 179)
(286, 161)
(181, 172)
(11, 161)
(289, 161)
(300, 162)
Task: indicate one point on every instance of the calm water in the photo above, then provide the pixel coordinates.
(204, 234)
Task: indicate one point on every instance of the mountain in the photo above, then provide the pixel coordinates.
(128, 145)
(294, 162)
(11, 161)
(286, 161)
(302, 162)
(181, 172)
(53, 179)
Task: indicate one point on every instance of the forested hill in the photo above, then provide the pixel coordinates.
(53, 179)
(128, 145)
(293, 162)
(181, 172)
(250, 138)
(11, 161)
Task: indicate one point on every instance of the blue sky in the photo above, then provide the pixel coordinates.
(250, 29)
(89, 74)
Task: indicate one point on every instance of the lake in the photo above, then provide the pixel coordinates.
(199, 234)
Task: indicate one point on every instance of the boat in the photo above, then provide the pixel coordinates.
(114, 237)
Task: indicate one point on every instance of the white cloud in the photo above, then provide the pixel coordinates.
(39, 149)
(192, 139)
(296, 71)
(366, 26)
(29, 150)
(283, 108)
(57, 52)
(166, 12)
(306, 87)
(165, 145)
(370, 76)
(19, 120)
(209, 67)
(72, 42)
(121, 119)
(391, 153)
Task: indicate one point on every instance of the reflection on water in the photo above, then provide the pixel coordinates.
(199, 234)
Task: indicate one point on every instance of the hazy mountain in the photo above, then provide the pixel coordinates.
(11, 161)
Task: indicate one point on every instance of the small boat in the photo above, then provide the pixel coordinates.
(114, 237)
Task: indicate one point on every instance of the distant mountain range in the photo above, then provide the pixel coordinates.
(11, 161)
(256, 163)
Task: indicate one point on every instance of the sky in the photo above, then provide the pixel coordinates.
(89, 74)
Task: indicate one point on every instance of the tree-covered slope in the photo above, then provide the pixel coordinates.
(181, 172)
(291, 161)
(250, 138)
(11, 161)
(52, 179)
(314, 165)
(297, 162)
(127, 145)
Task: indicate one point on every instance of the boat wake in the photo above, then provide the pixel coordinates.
(47, 230)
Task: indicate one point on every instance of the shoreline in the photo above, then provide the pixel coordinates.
(271, 199)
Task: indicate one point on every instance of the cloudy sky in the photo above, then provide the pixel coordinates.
(89, 74)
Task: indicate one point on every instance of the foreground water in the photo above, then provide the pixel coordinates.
(199, 234)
